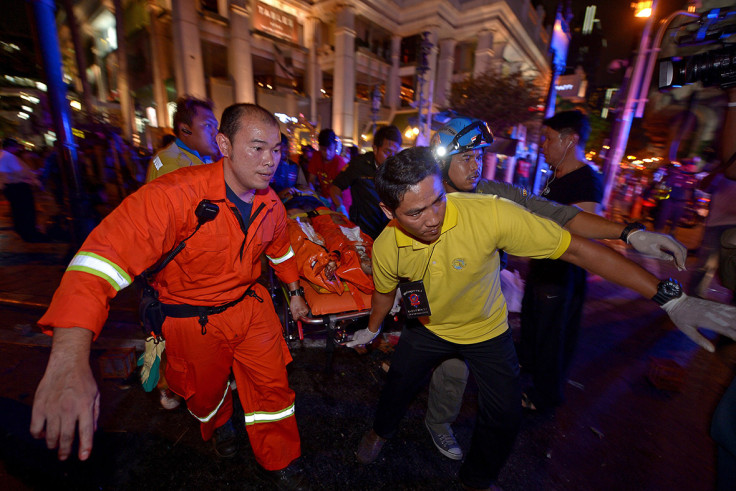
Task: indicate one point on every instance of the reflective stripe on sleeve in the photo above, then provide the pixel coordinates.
(279, 260)
(262, 417)
(214, 411)
(92, 263)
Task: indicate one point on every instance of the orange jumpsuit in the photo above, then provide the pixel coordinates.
(215, 267)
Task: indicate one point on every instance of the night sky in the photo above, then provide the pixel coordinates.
(621, 29)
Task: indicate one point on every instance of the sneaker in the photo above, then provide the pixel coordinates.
(446, 444)
(369, 448)
(225, 440)
(169, 400)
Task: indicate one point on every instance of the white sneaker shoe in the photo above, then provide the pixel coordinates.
(169, 400)
(446, 444)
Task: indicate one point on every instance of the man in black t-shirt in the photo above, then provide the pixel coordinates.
(358, 176)
(555, 290)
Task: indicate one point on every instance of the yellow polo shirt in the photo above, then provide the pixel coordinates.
(169, 159)
(461, 268)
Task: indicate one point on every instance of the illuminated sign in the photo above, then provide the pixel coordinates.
(275, 22)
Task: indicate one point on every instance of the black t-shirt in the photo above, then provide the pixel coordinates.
(580, 185)
(365, 211)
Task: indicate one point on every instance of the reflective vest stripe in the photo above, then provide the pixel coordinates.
(261, 417)
(214, 411)
(92, 263)
(279, 260)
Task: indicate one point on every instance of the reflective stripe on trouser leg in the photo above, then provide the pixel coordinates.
(198, 369)
(263, 388)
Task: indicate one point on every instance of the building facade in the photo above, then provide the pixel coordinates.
(312, 61)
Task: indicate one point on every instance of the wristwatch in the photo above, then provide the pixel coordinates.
(630, 228)
(299, 292)
(667, 290)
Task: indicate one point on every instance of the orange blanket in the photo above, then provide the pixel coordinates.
(331, 252)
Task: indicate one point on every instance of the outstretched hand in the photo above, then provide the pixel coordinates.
(362, 337)
(67, 397)
(659, 246)
(690, 313)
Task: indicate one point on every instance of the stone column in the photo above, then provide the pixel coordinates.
(160, 96)
(126, 100)
(313, 41)
(445, 67)
(425, 105)
(240, 61)
(483, 52)
(343, 96)
(189, 68)
(393, 84)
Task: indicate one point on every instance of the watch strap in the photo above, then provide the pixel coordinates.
(630, 228)
(299, 292)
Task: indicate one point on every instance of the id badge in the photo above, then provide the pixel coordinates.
(415, 299)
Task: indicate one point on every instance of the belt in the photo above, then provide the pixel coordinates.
(203, 312)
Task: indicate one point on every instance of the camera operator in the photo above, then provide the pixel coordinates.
(723, 425)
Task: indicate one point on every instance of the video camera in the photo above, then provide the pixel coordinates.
(715, 31)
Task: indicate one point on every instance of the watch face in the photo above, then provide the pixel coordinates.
(671, 288)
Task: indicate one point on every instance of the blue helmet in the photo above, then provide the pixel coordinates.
(460, 135)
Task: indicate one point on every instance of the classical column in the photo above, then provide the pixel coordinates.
(343, 96)
(445, 67)
(187, 49)
(160, 96)
(483, 52)
(126, 100)
(313, 41)
(240, 61)
(393, 84)
(425, 84)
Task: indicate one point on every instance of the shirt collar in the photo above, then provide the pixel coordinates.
(405, 240)
(184, 146)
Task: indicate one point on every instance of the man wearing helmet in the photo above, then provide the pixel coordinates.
(442, 249)
(458, 147)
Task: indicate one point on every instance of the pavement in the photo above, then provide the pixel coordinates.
(637, 414)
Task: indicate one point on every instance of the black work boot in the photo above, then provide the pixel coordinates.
(225, 441)
(290, 478)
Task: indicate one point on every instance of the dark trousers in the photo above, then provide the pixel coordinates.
(723, 431)
(495, 368)
(22, 209)
(550, 323)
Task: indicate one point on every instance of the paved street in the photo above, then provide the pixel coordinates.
(616, 430)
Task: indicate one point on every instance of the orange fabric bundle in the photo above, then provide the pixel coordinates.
(354, 247)
(312, 258)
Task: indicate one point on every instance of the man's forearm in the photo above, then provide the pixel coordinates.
(70, 345)
(381, 304)
(593, 226)
(611, 266)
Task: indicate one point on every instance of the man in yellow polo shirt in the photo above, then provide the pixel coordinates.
(442, 251)
(195, 127)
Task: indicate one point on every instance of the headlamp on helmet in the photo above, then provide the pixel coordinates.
(460, 135)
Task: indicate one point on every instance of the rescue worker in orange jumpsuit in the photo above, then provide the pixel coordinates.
(219, 318)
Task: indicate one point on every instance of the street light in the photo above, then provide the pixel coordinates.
(375, 106)
(636, 92)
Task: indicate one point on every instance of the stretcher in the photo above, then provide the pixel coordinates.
(333, 258)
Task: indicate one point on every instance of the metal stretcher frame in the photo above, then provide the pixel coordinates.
(333, 324)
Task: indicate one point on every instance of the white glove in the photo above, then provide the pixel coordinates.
(690, 313)
(658, 245)
(362, 336)
(343, 210)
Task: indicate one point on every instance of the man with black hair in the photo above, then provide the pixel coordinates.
(218, 318)
(358, 176)
(554, 294)
(442, 251)
(195, 128)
